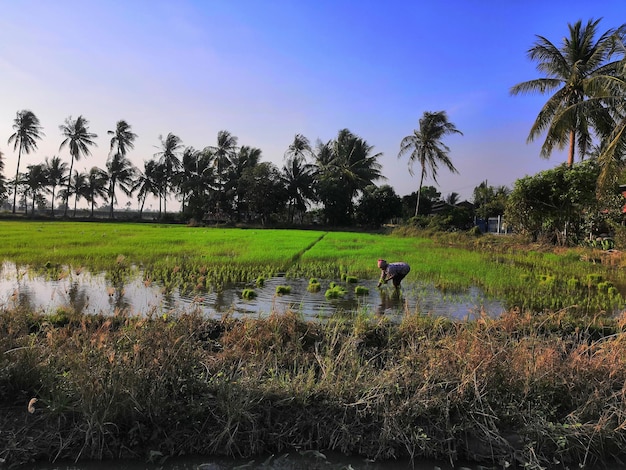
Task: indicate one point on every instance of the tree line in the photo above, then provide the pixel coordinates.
(584, 76)
(221, 182)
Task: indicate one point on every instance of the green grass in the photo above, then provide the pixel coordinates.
(524, 276)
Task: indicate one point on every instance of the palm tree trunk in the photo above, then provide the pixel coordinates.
(52, 203)
(17, 174)
(572, 144)
(111, 198)
(69, 185)
(419, 191)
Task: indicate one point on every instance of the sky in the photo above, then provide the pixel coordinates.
(268, 70)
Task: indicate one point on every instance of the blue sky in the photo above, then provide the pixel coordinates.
(267, 70)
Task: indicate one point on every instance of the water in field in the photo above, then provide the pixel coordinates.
(92, 293)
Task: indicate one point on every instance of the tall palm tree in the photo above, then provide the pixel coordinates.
(300, 147)
(121, 173)
(3, 182)
(425, 146)
(78, 139)
(56, 171)
(569, 70)
(97, 180)
(123, 139)
(299, 178)
(244, 158)
(345, 166)
(223, 152)
(36, 180)
(168, 158)
(148, 183)
(27, 132)
(80, 188)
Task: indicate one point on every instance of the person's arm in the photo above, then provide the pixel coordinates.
(382, 278)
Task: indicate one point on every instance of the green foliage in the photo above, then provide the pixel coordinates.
(554, 203)
(378, 205)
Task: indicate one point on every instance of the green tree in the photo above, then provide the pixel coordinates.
(425, 147)
(27, 133)
(120, 170)
(3, 182)
(78, 139)
(121, 173)
(197, 182)
(299, 179)
(345, 167)
(36, 181)
(122, 140)
(378, 205)
(555, 203)
(262, 191)
(223, 153)
(428, 196)
(97, 180)
(169, 161)
(489, 201)
(148, 183)
(569, 71)
(244, 158)
(56, 171)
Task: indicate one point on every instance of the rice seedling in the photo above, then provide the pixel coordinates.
(314, 285)
(335, 291)
(248, 294)
(361, 290)
(283, 290)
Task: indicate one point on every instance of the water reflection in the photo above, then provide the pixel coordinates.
(92, 293)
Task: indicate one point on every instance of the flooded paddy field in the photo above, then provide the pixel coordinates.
(93, 293)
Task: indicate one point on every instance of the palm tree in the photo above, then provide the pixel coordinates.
(299, 178)
(123, 139)
(55, 170)
(425, 146)
(121, 173)
(97, 180)
(148, 183)
(246, 157)
(345, 166)
(223, 152)
(300, 147)
(569, 71)
(27, 132)
(81, 188)
(36, 180)
(3, 182)
(78, 139)
(168, 159)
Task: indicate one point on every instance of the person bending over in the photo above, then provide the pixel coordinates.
(394, 272)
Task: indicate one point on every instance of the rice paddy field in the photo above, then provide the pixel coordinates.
(543, 385)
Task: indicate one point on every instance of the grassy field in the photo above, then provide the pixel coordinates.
(542, 385)
(581, 280)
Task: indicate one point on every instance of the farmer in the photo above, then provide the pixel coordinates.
(394, 271)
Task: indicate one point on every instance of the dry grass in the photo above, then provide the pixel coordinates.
(523, 389)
